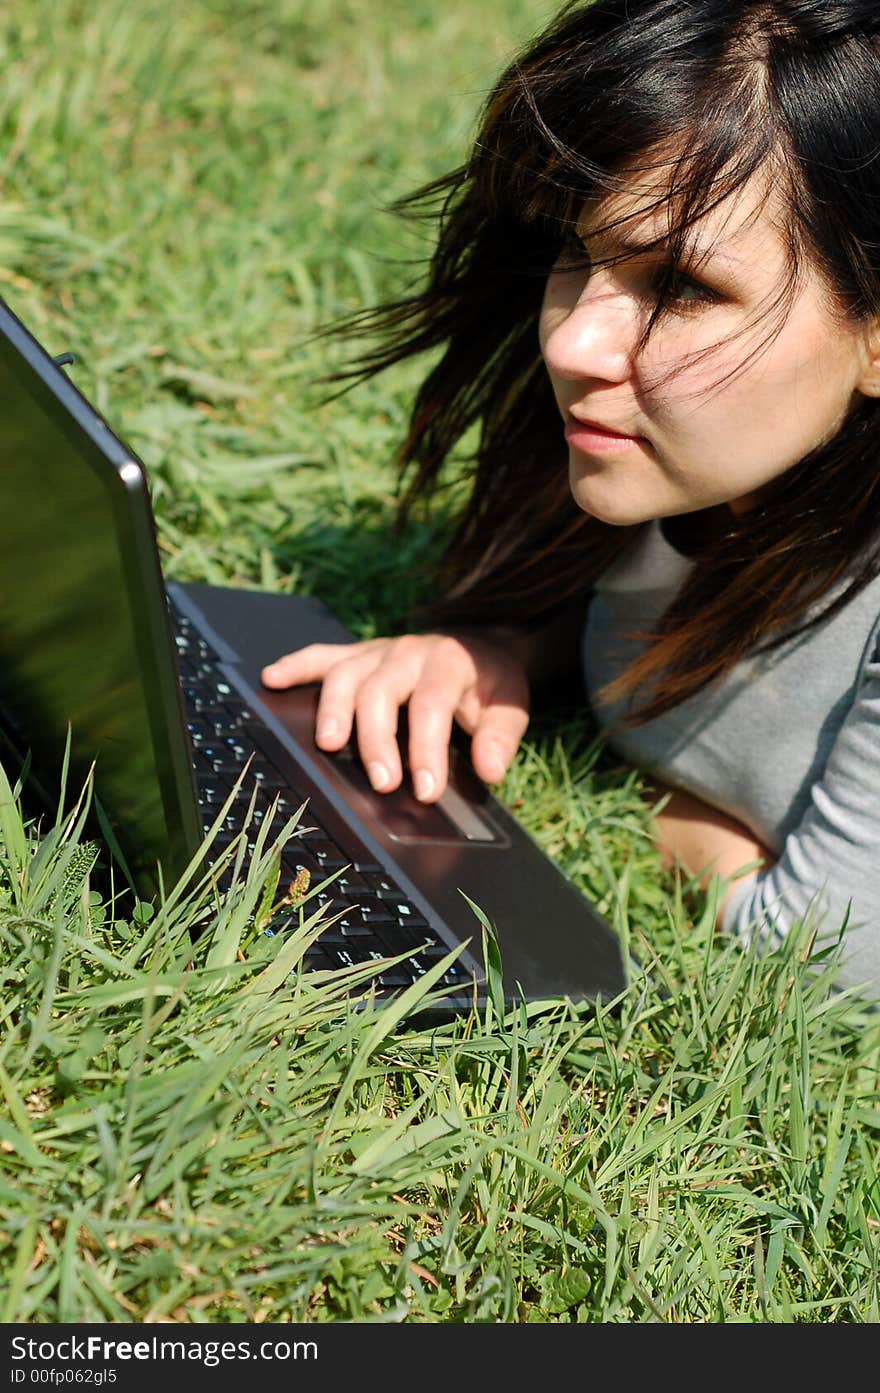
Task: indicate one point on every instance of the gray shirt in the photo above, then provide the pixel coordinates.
(788, 742)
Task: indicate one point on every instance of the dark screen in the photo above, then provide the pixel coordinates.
(69, 654)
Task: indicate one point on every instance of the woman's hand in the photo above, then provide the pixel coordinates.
(479, 682)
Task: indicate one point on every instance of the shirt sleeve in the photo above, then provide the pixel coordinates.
(830, 864)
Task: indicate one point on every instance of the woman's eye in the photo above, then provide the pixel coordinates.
(683, 291)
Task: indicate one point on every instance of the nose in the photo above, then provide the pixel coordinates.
(590, 327)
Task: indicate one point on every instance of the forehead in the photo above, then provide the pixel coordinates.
(648, 206)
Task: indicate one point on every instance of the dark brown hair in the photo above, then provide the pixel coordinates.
(737, 86)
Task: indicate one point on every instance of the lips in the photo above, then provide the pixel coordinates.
(577, 424)
(590, 439)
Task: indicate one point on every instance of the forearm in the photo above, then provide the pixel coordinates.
(705, 841)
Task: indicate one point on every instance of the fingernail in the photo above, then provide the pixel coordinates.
(327, 728)
(423, 783)
(495, 769)
(378, 775)
(271, 671)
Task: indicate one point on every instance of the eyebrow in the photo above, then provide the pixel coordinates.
(696, 252)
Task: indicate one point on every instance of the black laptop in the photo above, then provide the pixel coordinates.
(160, 684)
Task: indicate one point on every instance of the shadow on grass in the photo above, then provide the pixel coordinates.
(371, 578)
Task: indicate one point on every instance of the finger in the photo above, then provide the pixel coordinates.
(469, 710)
(336, 704)
(377, 708)
(430, 730)
(448, 677)
(496, 741)
(501, 727)
(340, 667)
(309, 664)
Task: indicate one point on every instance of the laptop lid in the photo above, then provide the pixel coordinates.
(84, 633)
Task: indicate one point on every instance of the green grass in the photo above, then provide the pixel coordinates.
(199, 1133)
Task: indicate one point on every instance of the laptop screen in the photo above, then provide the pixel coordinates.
(70, 651)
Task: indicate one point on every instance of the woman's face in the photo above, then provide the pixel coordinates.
(689, 438)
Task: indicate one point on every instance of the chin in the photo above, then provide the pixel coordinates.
(616, 512)
(593, 490)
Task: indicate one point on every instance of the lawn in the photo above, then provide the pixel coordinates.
(196, 1134)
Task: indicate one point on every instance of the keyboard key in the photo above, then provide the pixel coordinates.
(212, 795)
(288, 804)
(407, 913)
(350, 883)
(382, 885)
(194, 699)
(274, 787)
(399, 938)
(316, 959)
(336, 904)
(401, 975)
(359, 924)
(352, 927)
(222, 726)
(238, 709)
(374, 913)
(433, 951)
(206, 669)
(348, 956)
(232, 744)
(294, 861)
(225, 765)
(327, 852)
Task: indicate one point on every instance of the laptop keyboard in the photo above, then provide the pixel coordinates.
(378, 919)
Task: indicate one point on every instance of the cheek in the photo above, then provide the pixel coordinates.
(800, 390)
(686, 363)
(753, 422)
(554, 307)
(702, 388)
(691, 397)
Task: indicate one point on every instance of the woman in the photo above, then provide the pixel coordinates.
(656, 290)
